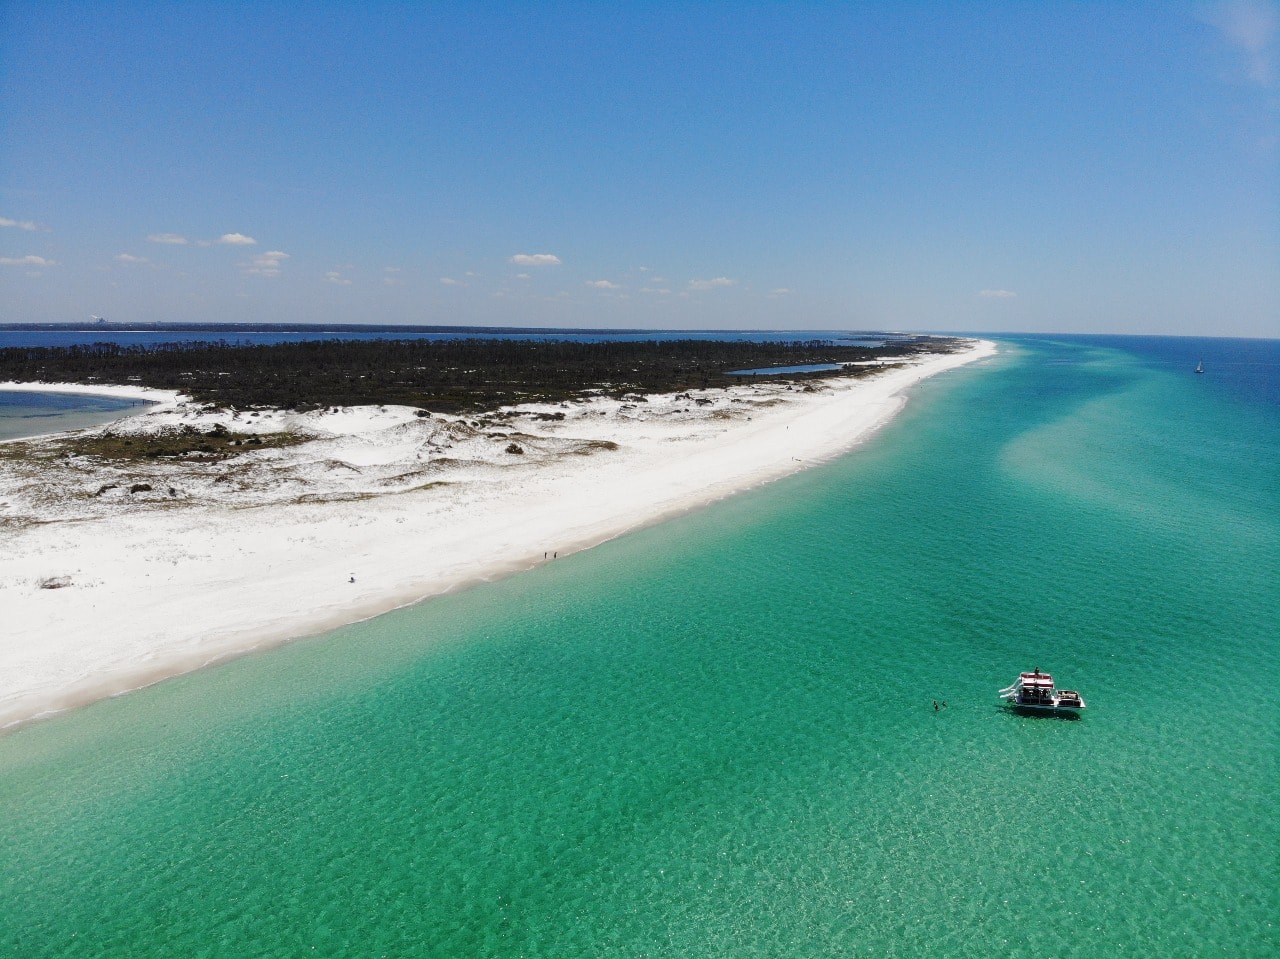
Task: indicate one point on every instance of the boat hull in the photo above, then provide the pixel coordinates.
(1039, 709)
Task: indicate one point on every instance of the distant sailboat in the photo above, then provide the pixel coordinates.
(1200, 367)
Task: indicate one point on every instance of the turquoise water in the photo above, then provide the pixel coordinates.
(716, 737)
(24, 413)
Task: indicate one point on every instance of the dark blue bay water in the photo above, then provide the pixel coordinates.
(24, 413)
(716, 737)
(21, 335)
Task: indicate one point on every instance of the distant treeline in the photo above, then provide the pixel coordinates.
(445, 375)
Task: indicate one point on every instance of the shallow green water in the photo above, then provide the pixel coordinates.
(716, 737)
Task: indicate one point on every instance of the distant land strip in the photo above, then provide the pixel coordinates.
(449, 376)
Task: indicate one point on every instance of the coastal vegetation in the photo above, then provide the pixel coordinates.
(450, 376)
(184, 444)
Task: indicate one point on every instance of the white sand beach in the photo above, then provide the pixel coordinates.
(113, 577)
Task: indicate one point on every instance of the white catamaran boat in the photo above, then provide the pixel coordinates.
(1034, 692)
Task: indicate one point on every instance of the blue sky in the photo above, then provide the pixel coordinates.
(1091, 167)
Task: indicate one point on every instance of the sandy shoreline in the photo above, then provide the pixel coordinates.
(105, 590)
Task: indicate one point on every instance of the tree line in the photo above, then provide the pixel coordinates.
(453, 376)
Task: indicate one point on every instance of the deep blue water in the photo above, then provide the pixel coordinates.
(1245, 369)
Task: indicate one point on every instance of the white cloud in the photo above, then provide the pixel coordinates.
(522, 276)
(30, 225)
(997, 294)
(535, 259)
(781, 291)
(266, 264)
(26, 261)
(176, 239)
(711, 284)
(450, 281)
(603, 285)
(1250, 26)
(333, 276)
(658, 290)
(237, 239)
